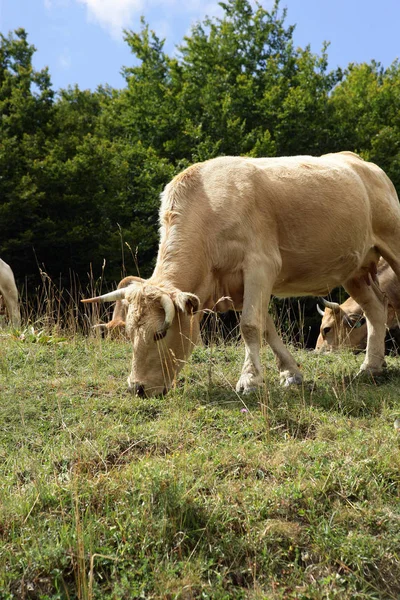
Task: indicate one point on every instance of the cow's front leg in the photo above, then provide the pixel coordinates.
(251, 377)
(256, 321)
(257, 293)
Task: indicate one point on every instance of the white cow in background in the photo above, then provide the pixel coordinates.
(9, 291)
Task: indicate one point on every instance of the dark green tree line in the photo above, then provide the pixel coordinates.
(81, 171)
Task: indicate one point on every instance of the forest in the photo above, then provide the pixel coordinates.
(81, 171)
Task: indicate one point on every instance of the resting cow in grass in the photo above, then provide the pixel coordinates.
(344, 325)
(236, 230)
(9, 292)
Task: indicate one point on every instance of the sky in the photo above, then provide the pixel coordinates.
(81, 41)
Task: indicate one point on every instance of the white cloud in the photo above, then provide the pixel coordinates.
(113, 15)
(116, 15)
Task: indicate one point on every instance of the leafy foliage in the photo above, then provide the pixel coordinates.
(366, 110)
(81, 171)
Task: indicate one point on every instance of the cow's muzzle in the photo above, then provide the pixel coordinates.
(139, 390)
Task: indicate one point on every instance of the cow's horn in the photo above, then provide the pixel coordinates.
(169, 310)
(332, 305)
(321, 312)
(110, 297)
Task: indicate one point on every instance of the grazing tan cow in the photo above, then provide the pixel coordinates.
(9, 292)
(236, 230)
(344, 325)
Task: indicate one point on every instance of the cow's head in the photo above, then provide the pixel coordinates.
(163, 326)
(342, 326)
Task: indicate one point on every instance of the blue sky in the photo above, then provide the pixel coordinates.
(81, 40)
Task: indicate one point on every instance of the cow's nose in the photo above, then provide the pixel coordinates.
(138, 389)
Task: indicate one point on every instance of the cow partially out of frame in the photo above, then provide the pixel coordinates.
(9, 292)
(118, 319)
(344, 325)
(236, 230)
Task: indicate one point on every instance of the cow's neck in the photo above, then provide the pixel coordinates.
(180, 261)
(184, 278)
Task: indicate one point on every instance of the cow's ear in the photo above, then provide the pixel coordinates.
(356, 320)
(187, 303)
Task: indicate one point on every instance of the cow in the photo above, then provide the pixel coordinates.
(344, 325)
(233, 231)
(9, 292)
(118, 319)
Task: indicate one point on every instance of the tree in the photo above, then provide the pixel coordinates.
(366, 109)
(237, 86)
(82, 171)
(26, 108)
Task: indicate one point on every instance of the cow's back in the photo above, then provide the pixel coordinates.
(314, 220)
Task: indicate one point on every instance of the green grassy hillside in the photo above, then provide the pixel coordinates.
(287, 493)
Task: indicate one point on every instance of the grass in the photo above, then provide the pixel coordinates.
(283, 494)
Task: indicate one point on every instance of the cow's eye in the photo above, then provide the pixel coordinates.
(326, 330)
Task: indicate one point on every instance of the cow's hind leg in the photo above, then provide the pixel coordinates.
(255, 321)
(374, 305)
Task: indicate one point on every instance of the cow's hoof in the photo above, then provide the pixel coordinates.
(247, 384)
(288, 380)
(367, 376)
(295, 380)
(370, 370)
